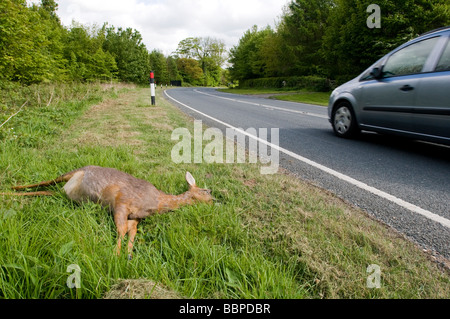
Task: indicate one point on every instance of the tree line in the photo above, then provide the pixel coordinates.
(330, 39)
(36, 48)
(314, 41)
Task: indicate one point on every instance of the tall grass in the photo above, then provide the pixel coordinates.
(264, 237)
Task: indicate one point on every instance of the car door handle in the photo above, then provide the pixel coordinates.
(406, 88)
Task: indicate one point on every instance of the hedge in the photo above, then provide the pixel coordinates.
(313, 83)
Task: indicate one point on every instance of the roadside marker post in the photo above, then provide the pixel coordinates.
(152, 87)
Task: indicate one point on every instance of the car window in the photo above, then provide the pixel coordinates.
(444, 62)
(409, 60)
(368, 74)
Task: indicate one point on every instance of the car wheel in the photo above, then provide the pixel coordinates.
(344, 121)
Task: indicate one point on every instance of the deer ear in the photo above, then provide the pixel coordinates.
(190, 179)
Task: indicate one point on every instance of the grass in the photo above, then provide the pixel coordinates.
(316, 98)
(266, 236)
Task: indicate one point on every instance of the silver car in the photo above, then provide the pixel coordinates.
(407, 92)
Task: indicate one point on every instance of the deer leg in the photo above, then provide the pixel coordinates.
(132, 230)
(121, 221)
(62, 178)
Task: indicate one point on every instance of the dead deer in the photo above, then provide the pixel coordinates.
(129, 199)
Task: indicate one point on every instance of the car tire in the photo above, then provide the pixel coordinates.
(344, 121)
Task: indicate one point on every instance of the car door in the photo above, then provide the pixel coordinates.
(388, 102)
(432, 113)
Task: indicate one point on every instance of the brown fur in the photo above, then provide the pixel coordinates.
(130, 199)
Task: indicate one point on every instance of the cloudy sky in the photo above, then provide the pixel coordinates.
(164, 23)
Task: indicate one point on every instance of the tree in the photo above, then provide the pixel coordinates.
(301, 30)
(158, 63)
(190, 71)
(349, 46)
(87, 60)
(247, 58)
(172, 69)
(55, 34)
(130, 53)
(35, 47)
(202, 49)
(103, 65)
(23, 44)
(275, 60)
(209, 52)
(50, 6)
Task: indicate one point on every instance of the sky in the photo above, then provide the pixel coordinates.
(164, 23)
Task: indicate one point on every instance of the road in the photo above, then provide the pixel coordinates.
(403, 183)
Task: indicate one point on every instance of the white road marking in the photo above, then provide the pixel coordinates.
(269, 107)
(400, 202)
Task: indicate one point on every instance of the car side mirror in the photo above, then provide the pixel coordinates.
(377, 73)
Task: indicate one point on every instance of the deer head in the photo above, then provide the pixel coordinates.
(199, 194)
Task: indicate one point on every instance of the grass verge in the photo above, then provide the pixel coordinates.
(265, 237)
(316, 98)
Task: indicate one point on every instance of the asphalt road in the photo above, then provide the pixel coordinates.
(403, 183)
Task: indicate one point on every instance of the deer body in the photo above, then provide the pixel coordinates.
(130, 199)
(110, 187)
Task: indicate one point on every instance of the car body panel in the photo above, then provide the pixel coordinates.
(431, 114)
(383, 103)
